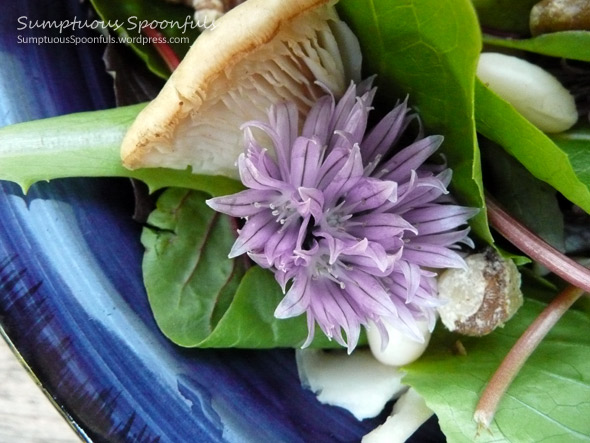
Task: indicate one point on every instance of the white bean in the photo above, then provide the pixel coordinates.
(534, 92)
(401, 349)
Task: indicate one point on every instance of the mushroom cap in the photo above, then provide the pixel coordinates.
(259, 53)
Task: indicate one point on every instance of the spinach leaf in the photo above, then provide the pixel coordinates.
(526, 198)
(198, 295)
(429, 50)
(87, 144)
(187, 273)
(129, 14)
(133, 82)
(250, 323)
(574, 45)
(501, 123)
(547, 401)
(505, 15)
(575, 143)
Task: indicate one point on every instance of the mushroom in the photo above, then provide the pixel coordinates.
(259, 53)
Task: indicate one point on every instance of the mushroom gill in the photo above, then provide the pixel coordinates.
(260, 53)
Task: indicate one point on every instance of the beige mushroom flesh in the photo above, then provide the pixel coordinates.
(259, 53)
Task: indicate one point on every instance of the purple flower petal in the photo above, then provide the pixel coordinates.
(333, 163)
(449, 238)
(310, 329)
(425, 296)
(370, 193)
(439, 218)
(368, 292)
(281, 242)
(356, 122)
(342, 313)
(254, 234)
(297, 299)
(432, 256)
(259, 156)
(365, 86)
(376, 260)
(280, 150)
(410, 158)
(379, 226)
(244, 203)
(317, 123)
(253, 178)
(346, 178)
(306, 157)
(412, 276)
(386, 133)
(343, 108)
(284, 119)
(422, 191)
(312, 202)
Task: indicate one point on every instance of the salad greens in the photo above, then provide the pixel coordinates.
(87, 144)
(501, 123)
(547, 401)
(132, 13)
(574, 143)
(198, 295)
(429, 50)
(573, 45)
(438, 42)
(505, 15)
(525, 197)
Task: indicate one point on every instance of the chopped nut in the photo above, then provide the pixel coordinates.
(459, 349)
(481, 298)
(560, 15)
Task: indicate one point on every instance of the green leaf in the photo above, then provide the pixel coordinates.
(526, 198)
(505, 15)
(250, 323)
(180, 34)
(187, 273)
(501, 123)
(567, 44)
(548, 401)
(87, 145)
(575, 143)
(198, 295)
(429, 50)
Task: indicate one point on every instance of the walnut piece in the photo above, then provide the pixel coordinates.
(560, 15)
(482, 297)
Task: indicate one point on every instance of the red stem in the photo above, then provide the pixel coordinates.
(164, 49)
(520, 352)
(536, 248)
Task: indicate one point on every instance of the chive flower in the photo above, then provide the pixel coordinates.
(351, 225)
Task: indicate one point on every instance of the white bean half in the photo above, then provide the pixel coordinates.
(534, 92)
(401, 349)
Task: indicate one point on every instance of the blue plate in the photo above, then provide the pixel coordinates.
(72, 300)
